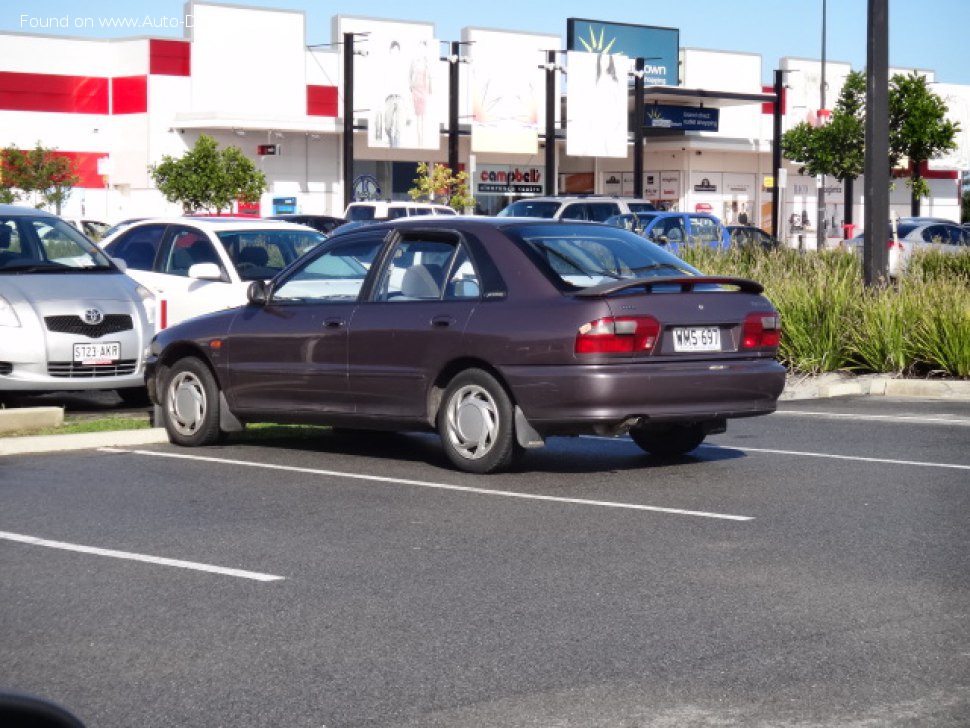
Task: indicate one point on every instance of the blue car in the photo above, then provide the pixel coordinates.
(672, 229)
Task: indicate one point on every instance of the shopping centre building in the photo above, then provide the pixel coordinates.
(250, 77)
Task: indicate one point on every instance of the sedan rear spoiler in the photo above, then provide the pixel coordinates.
(686, 283)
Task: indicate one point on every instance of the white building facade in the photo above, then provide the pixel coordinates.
(249, 78)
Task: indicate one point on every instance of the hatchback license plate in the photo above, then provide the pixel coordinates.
(697, 338)
(103, 352)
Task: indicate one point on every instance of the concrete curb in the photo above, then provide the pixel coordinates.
(81, 441)
(841, 385)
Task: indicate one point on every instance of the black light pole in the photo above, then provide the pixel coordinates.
(820, 239)
(638, 128)
(776, 155)
(551, 68)
(348, 118)
(875, 219)
(453, 107)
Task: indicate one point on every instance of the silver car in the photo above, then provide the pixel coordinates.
(918, 234)
(70, 319)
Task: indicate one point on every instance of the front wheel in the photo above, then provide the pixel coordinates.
(476, 423)
(190, 404)
(670, 441)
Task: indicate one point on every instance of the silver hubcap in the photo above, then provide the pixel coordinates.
(473, 421)
(186, 403)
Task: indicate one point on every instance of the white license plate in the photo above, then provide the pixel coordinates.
(697, 338)
(104, 352)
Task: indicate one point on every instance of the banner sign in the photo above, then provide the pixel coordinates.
(659, 47)
(685, 118)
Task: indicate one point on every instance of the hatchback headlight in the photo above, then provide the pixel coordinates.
(147, 302)
(8, 317)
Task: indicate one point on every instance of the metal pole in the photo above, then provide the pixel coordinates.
(776, 154)
(638, 128)
(820, 244)
(348, 119)
(453, 107)
(876, 216)
(551, 181)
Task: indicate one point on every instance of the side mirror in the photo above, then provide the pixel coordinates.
(205, 272)
(258, 293)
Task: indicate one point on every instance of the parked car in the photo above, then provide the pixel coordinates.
(496, 332)
(94, 229)
(751, 235)
(918, 234)
(376, 210)
(120, 225)
(324, 223)
(586, 207)
(673, 229)
(69, 317)
(195, 265)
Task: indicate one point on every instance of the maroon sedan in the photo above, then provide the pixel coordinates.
(496, 332)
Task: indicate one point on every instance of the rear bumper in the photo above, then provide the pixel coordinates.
(576, 399)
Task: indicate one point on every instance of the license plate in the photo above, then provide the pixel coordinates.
(104, 352)
(697, 338)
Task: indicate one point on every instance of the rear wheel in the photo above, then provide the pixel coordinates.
(476, 423)
(669, 441)
(190, 404)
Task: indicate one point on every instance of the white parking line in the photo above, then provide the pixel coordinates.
(858, 458)
(437, 486)
(34, 541)
(941, 419)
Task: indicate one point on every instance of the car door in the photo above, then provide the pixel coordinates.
(412, 324)
(139, 247)
(290, 355)
(185, 296)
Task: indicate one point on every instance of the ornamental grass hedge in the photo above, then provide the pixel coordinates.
(918, 326)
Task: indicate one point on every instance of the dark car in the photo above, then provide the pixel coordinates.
(751, 235)
(673, 229)
(496, 332)
(324, 223)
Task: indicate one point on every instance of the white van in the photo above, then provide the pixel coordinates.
(388, 210)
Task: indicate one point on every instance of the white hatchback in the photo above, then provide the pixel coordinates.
(196, 265)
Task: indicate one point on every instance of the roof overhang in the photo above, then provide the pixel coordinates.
(206, 121)
(702, 97)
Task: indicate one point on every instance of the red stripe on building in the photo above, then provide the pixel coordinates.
(169, 57)
(53, 93)
(129, 95)
(321, 101)
(769, 106)
(86, 168)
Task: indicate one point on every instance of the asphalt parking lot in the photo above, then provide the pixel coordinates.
(803, 569)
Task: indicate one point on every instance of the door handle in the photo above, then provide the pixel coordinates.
(442, 322)
(334, 323)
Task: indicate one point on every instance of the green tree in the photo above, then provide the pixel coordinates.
(438, 181)
(918, 129)
(836, 149)
(39, 172)
(207, 178)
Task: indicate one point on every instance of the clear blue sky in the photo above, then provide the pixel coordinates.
(928, 34)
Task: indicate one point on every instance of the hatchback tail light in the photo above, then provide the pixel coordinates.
(761, 331)
(618, 335)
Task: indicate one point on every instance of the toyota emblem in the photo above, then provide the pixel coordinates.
(92, 316)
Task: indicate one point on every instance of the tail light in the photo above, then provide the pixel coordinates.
(761, 331)
(618, 335)
(894, 244)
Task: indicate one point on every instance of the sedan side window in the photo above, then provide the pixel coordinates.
(704, 230)
(336, 275)
(139, 246)
(186, 247)
(416, 270)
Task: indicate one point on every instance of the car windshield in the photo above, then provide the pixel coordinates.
(360, 212)
(531, 208)
(261, 254)
(579, 256)
(46, 245)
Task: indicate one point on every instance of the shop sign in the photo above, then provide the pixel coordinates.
(684, 118)
(500, 179)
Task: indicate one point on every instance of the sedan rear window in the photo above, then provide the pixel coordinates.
(579, 256)
(529, 208)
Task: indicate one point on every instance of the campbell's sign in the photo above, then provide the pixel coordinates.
(501, 179)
